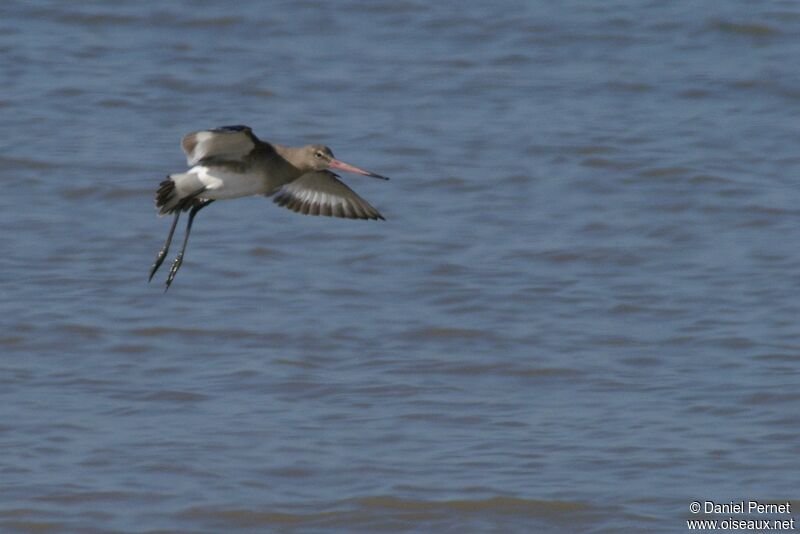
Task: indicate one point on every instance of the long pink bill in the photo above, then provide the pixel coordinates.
(342, 166)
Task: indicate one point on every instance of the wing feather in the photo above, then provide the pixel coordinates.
(228, 143)
(322, 193)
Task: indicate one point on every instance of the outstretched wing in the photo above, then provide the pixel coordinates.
(321, 193)
(228, 143)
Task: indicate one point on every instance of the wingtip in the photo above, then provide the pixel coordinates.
(232, 128)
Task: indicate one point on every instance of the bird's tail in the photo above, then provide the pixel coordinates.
(178, 192)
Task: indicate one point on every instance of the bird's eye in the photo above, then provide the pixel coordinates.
(318, 154)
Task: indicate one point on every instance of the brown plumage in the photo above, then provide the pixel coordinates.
(231, 162)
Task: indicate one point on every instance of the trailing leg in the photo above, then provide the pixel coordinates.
(176, 264)
(163, 252)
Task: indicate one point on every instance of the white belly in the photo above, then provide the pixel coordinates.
(221, 183)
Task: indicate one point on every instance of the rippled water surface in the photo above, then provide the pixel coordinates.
(580, 315)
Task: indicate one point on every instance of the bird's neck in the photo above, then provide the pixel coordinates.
(293, 157)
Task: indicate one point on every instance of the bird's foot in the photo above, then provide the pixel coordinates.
(159, 260)
(176, 264)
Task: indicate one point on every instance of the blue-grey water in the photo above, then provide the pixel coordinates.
(580, 316)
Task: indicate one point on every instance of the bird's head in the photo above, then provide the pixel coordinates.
(317, 157)
(320, 158)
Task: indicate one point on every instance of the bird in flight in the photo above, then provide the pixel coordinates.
(231, 162)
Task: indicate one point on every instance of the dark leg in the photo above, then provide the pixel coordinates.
(163, 252)
(176, 264)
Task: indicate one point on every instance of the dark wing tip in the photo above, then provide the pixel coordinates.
(233, 128)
